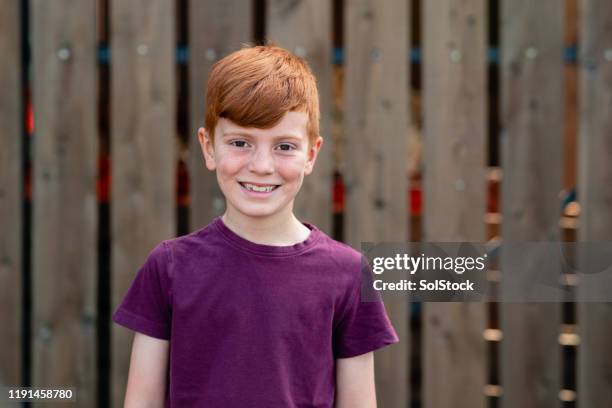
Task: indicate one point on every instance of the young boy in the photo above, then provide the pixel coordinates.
(257, 309)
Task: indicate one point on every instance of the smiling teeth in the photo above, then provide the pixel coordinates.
(259, 189)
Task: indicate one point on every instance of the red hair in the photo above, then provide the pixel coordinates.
(257, 86)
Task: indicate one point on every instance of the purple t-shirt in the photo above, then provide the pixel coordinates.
(254, 325)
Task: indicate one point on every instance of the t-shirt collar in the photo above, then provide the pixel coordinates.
(272, 250)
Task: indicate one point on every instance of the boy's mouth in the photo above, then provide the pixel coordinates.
(259, 188)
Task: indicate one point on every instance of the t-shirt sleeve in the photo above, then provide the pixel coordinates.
(363, 326)
(146, 308)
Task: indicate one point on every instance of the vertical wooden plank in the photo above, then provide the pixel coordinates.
(595, 194)
(304, 27)
(11, 193)
(532, 135)
(143, 115)
(454, 73)
(376, 127)
(571, 98)
(216, 28)
(64, 199)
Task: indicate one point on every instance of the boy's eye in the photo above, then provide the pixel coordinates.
(286, 147)
(238, 143)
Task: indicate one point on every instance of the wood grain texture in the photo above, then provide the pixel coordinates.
(64, 195)
(532, 144)
(216, 28)
(376, 128)
(11, 194)
(454, 73)
(595, 194)
(304, 27)
(143, 150)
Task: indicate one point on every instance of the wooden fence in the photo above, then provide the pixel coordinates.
(123, 82)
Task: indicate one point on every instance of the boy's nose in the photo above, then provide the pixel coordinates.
(261, 162)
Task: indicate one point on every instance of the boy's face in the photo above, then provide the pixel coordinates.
(260, 171)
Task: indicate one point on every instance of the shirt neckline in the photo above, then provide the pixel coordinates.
(244, 244)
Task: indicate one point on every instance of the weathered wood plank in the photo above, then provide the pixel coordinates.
(376, 128)
(64, 195)
(11, 194)
(143, 146)
(454, 73)
(216, 28)
(304, 27)
(595, 194)
(532, 135)
(571, 98)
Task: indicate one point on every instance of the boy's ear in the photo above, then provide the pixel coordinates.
(208, 149)
(313, 152)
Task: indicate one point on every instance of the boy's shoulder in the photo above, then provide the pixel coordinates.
(339, 251)
(200, 239)
(196, 237)
(169, 250)
(338, 257)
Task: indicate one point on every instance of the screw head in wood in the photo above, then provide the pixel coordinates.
(300, 51)
(459, 185)
(210, 54)
(142, 50)
(45, 333)
(375, 54)
(455, 55)
(531, 53)
(64, 53)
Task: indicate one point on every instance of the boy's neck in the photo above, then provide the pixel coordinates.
(281, 230)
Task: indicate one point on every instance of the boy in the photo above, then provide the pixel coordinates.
(256, 309)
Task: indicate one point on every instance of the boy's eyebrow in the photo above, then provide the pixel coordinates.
(288, 136)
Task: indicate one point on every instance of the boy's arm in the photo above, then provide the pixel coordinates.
(355, 382)
(146, 385)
